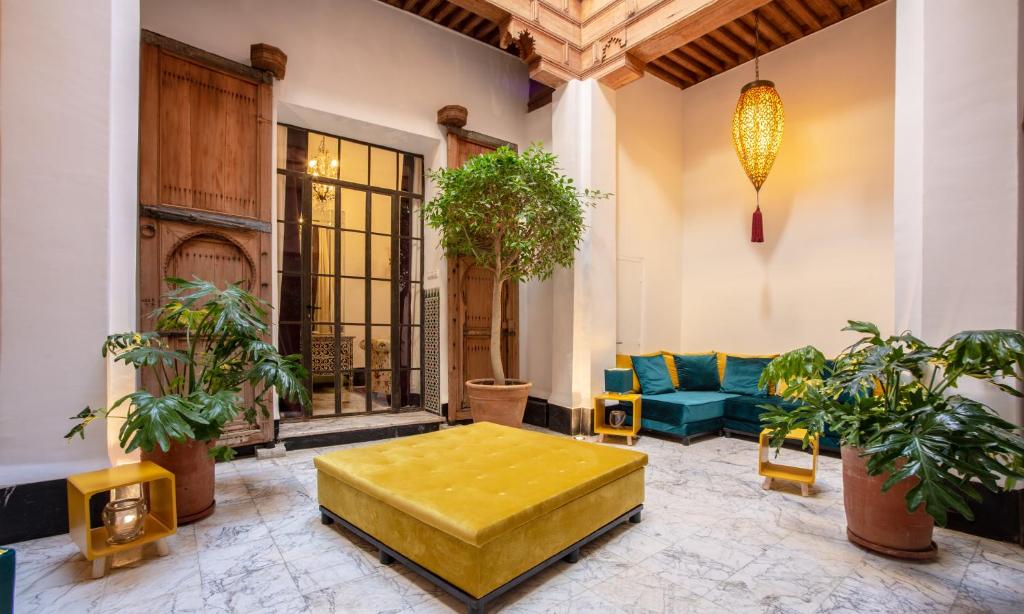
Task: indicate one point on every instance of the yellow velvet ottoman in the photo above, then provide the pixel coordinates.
(478, 509)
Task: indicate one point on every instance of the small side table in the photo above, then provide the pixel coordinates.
(160, 522)
(602, 428)
(803, 476)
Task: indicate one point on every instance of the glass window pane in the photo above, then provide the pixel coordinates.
(379, 349)
(380, 299)
(298, 145)
(353, 302)
(409, 211)
(355, 162)
(410, 259)
(380, 213)
(289, 199)
(353, 209)
(409, 347)
(322, 250)
(383, 168)
(291, 308)
(322, 152)
(380, 257)
(412, 173)
(289, 248)
(282, 146)
(322, 288)
(353, 253)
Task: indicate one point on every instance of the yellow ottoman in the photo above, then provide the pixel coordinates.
(478, 509)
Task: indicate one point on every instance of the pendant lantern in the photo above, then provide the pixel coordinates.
(757, 133)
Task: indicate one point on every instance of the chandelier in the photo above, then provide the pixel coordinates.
(322, 165)
(757, 127)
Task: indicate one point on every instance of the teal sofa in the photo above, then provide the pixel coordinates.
(685, 414)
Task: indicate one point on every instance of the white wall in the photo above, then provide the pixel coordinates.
(68, 150)
(650, 210)
(365, 70)
(827, 204)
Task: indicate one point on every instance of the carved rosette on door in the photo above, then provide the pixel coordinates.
(205, 172)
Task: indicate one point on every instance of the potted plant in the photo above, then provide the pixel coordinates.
(913, 447)
(517, 216)
(195, 387)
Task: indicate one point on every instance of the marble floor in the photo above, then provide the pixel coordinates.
(711, 541)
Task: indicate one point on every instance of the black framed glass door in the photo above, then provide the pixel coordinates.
(350, 265)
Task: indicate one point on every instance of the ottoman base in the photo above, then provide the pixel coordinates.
(476, 605)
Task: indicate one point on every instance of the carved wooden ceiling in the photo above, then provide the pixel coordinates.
(779, 23)
(616, 41)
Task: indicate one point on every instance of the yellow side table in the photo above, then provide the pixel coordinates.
(771, 471)
(160, 522)
(602, 428)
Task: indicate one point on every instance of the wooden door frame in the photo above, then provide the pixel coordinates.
(457, 268)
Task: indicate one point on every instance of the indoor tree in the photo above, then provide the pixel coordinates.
(515, 214)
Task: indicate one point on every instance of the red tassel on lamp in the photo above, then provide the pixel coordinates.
(757, 227)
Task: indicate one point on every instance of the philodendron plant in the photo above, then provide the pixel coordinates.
(896, 400)
(196, 388)
(515, 214)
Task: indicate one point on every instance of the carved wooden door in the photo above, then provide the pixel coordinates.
(469, 307)
(204, 182)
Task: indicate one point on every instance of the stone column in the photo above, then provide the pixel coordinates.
(957, 189)
(583, 322)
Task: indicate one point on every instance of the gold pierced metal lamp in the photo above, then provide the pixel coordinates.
(757, 127)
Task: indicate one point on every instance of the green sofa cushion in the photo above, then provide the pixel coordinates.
(697, 371)
(742, 375)
(746, 407)
(653, 374)
(683, 406)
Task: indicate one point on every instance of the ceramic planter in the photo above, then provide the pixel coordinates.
(193, 471)
(879, 521)
(499, 404)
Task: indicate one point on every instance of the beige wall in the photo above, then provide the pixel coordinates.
(650, 215)
(828, 208)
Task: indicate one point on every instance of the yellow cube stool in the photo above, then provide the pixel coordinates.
(801, 475)
(161, 521)
(602, 428)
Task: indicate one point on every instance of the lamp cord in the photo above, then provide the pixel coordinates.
(757, 43)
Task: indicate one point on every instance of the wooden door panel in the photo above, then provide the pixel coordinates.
(208, 136)
(205, 172)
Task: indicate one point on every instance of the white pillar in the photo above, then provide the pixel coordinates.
(583, 323)
(957, 164)
(68, 150)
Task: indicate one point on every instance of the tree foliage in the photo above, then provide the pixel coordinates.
(199, 385)
(895, 399)
(515, 214)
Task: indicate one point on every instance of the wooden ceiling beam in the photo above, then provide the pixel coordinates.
(741, 31)
(827, 8)
(699, 71)
(677, 69)
(408, 4)
(697, 54)
(472, 25)
(855, 5)
(655, 69)
(729, 40)
(770, 36)
(713, 47)
(802, 11)
(783, 20)
(483, 31)
(428, 8)
(463, 17)
(445, 11)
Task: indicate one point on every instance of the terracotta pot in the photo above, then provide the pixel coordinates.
(499, 404)
(879, 520)
(192, 467)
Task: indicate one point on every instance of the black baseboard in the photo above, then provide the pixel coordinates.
(334, 439)
(40, 509)
(536, 412)
(570, 421)
(998, 516)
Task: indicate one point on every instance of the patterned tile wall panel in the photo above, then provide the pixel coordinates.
(432, 350)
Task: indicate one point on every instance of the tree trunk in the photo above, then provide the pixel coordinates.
(496, 368)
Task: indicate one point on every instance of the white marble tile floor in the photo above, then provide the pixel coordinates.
(711, 541)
